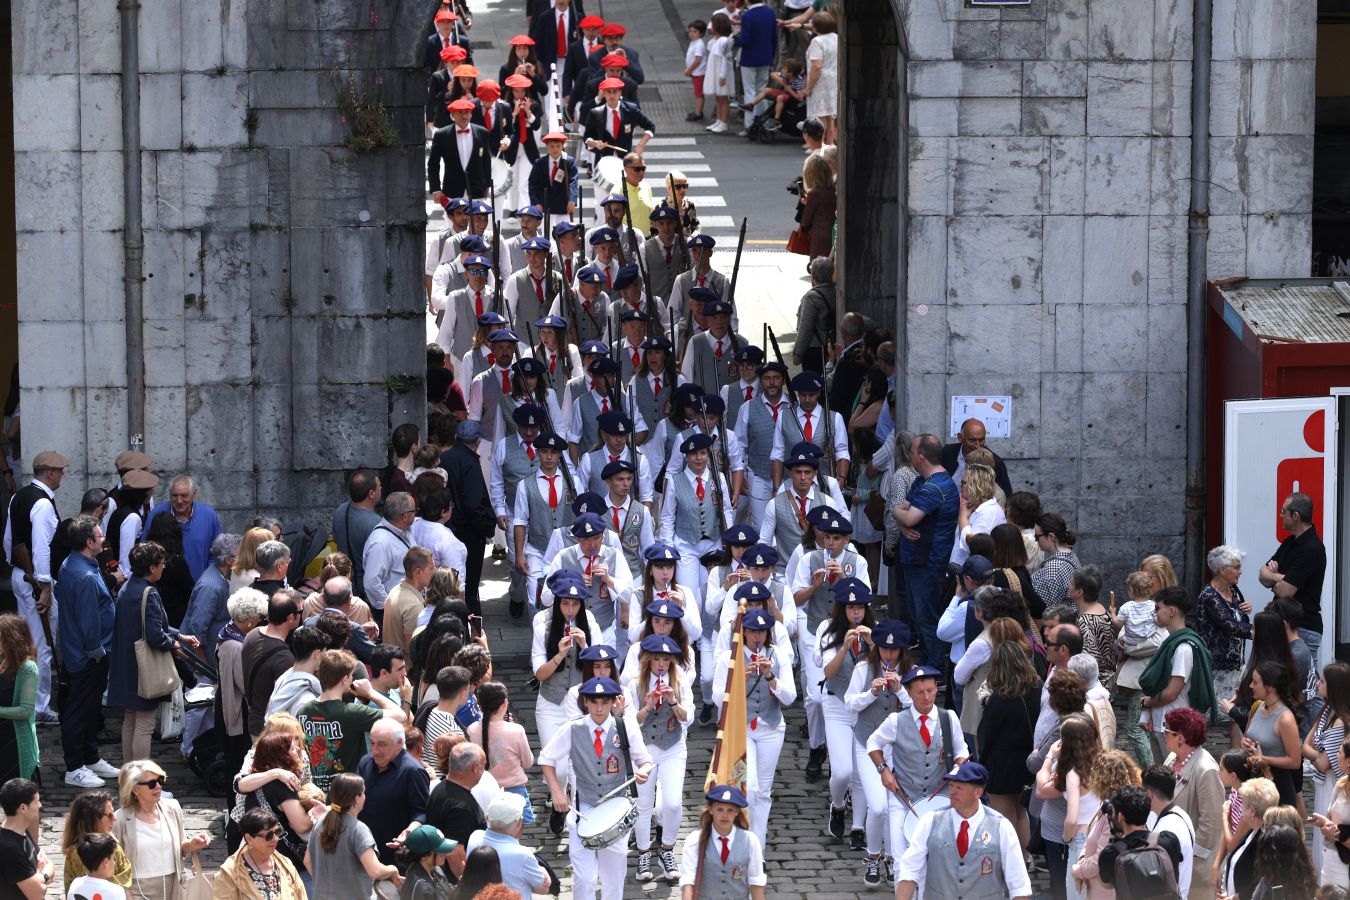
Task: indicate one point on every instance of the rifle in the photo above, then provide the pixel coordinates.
(498, 301)
(548, 422)
(717, 461)
(637, 254)
(827, 418)
(731, 301)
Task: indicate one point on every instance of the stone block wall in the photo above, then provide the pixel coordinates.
(283, 298)
(1048, 165)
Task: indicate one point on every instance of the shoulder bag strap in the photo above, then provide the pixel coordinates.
(145, 597)
(948, 748)
(627, 754)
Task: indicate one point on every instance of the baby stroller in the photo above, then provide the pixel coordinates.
(203, 743)
(794, 113)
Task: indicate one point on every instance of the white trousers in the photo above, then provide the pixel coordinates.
(662, 794)
(27, 604)
(812, 691)
(763, 746)
(550, 718)
(608, 867)
(535, 560)
(875, 793)
(758, 497)
(519, 194)
(843, 773)
(689, 571)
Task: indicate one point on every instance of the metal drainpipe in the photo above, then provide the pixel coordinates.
(1197, 249)
(133, 236)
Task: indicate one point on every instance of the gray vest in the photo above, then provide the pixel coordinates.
(625, 352)
(695, 521)
(672, 440)
(517, 466)
(710, 372)
(759, 437)
(871, 717)
(507, 405)
(543, 518)
(590, 324)
(554, 688)
(558, 378)
(600, 459)
(652, 407)
(600, 605)
(661, 274)
(515, 253)
(491, 397)
(661, 729)
(924, 766)
(818, 605)
(590, 413)
(593, 776)
(760, 703)
(466, 323)
(838, 685)
(979, 876)
(792, 429)
(528, 306)
(717, 883)
(736, 397)
(787, 531)
(480, 364)
(629, 531)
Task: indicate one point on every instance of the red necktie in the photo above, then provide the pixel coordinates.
(529, 450)
(857, 644)
(616, 518)
(604, 405)
(487, 118)
(552, 363)
(774, 408)
(718, 351)
(506, 381)
(656, 384)
(590, 561)
(478, 304)
(522, 121)
(599, 743)
(667, 254)
(963, 839)
(554, 176)
(701, 279)
(637, 360)
(608, 284)
(749, 392)
(807, 431)
(538, 288)
(562, 36)
(552, 491)
(726, 851)
(699, 482)
(567, 264)
(613, 458)
(801, 501)
(615, 123)
(924, 733)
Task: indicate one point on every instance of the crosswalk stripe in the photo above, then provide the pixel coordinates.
(710, 201)
(702, 182)
(709, 222)
(673, 154)
(659, 141)
(660, 169)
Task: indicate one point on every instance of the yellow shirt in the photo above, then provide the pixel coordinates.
(121, 868)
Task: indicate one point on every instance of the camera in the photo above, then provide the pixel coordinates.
(796, 187)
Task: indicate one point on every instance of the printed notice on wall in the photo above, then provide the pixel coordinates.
(994, 412)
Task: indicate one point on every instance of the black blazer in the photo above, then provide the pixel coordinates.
(535, 7)
(518, 140)
(590, 94)
(501, 112)
(544, 30)
(538, 84)
(847, 381)
(476, 181)
(553, 193)
(578, 69)
(473, 513)
(438, 98)
(432, 57)
(597, 127)
(634, 61)
(949, 459)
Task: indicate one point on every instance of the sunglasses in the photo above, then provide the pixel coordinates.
(271, 834)
(152, 783)
(477, 271)
(638, 168)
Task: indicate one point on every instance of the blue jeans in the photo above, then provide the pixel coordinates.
(754, 79)
(1314, 641)
(923, 584)
(1057, 861)
(528, 812)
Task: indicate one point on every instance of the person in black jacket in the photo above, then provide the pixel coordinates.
(578, 68)
(473, 520)
(611, 124)
(554, 31)
(493, 113)
(612, 36)
(553, 178)
(612, 66)
(466, 150)
(851, 367)
(972, 438)
(449, 33)
(439, 86)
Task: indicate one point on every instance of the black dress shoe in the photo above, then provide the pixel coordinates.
(556, 821)
(517, 609)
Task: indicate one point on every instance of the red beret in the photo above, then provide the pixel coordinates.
(463, 104)
(592, 22)
(465, 71)
(522, 40)
(614, 61)
(518, 81)
(490, 88)
(613, 29)
(446, 15)
(555, 136)
(612, 84)
(454, 53)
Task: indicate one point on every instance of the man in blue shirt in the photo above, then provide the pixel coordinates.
(206, 613)
(86, 635)
(758, 40)
(928, 516)
(521, 869)
(397, 788)
(200, 523)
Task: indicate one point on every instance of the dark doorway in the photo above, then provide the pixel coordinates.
(1331, 143)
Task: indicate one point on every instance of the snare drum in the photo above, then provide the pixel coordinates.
(926, 805)
(604, 825)
(501, 176)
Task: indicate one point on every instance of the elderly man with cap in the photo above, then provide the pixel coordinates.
(521, 868)
(466, 151)
(598, 753)
(912, 749)
(541, 506)
(529, 293)
(29, 528)
(756, 425)
(514, 459)
(473, 519)
(615, 430)
(807, 422)
(696, 510)
(965, 852)
(722, 859)
(811, 588)
(605, 574)
(553, 183)
(768, 689)
(784, 521)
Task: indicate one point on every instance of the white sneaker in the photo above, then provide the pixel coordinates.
(83, 778)
(104, 769)
(712, 126)
(718, 127)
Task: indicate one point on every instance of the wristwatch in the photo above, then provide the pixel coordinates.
(881, 767)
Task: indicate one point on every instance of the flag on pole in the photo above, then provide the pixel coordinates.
(728, 764)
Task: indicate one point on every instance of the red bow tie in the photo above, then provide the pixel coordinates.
(462, 131)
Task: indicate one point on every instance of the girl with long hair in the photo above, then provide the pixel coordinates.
(842, 642)
(1282, 860)
(342, 839)
(482, 868)
(465, 83)
(732, 856)
(1078, 750)
(1269, 644)
(504, 743)
(1272, 730)
(19, 755)
(1112, 770)
(521, 60)
(874, 692)
(1056, 542)
(91, 813)
(1010, 567)
(559, 630)
(662, 595)
(559, 357)
(1005, 735)
(662, 699)
(529, 384)
(1322, 745)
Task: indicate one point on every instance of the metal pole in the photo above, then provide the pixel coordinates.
(133, 236)
(1197, 248)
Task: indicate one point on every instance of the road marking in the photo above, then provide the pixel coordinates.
(660, 169)
(673, 154)
(707, 223)
(659, 141)
(704, 202)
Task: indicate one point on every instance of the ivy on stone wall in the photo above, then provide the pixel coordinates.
(362, 110)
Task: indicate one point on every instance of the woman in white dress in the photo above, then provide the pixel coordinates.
(822, 79)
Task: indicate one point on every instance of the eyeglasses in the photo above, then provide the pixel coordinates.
(152, 783)
(272, 834)
(638, 168)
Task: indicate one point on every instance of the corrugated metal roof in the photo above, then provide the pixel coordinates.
(1309, 310)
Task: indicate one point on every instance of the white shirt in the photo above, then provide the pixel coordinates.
(977, 654)
(668, 508)
(520, 515)
(621, 591)
(801, 579)
(742, 427)
(475, 399)
(754, 874)
(684, 694)
(558, 751)
(511, 293)
(983, 518)
(1178, 824)
(839, 433)
(914, 862)
(952, 626)
(645, 481)
(835, 501)
(735, 451)
(497, 487)
(539, 640)
(1182, 664)
(446, 549)
(464, 144)
(785, 693)
(859, 695)
(884, 737)
(723, 342)
(602, 402)
(693, 621)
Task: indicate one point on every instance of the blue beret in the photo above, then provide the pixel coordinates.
(760, 556)
(807, 381)
(491, 318)
(477, 260)
(480, 208)
(702, 240)
(528, 415)
(528, 365)
(472, 243)
(920, 672)
(664, 213)
(626, 276)
(660, 552)
(456, 204)
(614, 198)
(594, 348)
(852, 591)
(600, 687)
(738, 535)
(773, 366)
(550, 441)
(602, 235)
(712, 404)
(631, 315)
(666, 609)
(590, 275)
(563, 228)
(617, 467)
(588, 525)
(530, 211)
(703, 294)
(603, 366)
(502, 334)
(598, 653)
(749, 354)
(536, 243)
(614, 422)
(753, 590)
(717, 308)
(969, 772)
(550, 322)
(696, 442)
(660, 643)
(891, 634)
(726, 794)
(656, 342)
(757, 620)
(687, 394)
(587, 502)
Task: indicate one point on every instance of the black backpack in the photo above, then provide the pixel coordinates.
(1145, 873)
